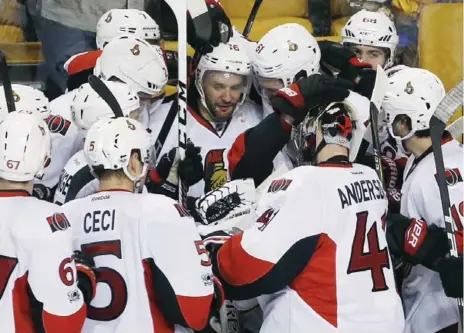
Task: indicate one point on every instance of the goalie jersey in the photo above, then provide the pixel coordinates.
(153, 272)
(317, 257)
(422, 290)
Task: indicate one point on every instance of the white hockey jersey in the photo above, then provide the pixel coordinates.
(35, 258)
(317, 257)
(66, 138)
(214, 142)
(152, 268)
(76, 181)
(427, 308)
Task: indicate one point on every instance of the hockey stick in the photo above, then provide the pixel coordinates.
(105, 93)
(456, 129)
(380, 88)
(440, 118)
(7, 83)
(251, 18)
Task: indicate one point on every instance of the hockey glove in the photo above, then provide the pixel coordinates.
(301, 97)
(42, 192)
(164, 179)
(221, 32)
(450, 270)
(87, 281)
(342, 60)
(414, 241)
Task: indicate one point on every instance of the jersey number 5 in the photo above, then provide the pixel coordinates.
(109, 276)
(375, 259)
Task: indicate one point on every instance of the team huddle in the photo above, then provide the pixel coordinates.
(285, 226)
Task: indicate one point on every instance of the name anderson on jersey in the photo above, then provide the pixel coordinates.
(360, 191)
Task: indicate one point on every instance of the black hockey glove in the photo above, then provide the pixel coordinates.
(414, 241)
(164, 179)
(42, 192)
(221, 32)
(299, 98)
(450, 270)
(341, 59)
(86, 275)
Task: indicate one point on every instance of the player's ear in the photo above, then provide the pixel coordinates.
(135, 164)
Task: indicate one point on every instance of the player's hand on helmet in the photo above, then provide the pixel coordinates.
(296, 100)
(341, 59)
(415, 241)
(221, 32)
(86, 277)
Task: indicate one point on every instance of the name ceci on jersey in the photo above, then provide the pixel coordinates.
(361, 191)
(98, 220)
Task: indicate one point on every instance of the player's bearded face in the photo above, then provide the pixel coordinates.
(372, 55)
(223, 91)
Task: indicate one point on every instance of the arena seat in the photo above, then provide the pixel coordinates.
(22, 53)
(272, 13)
(441, 41)
(11, 34)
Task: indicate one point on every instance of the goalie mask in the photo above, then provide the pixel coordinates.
(222, 79)
(336, 124)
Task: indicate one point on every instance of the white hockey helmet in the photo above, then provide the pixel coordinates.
(372, 29)
(117, 22)
(26, 98)
(415, 93)
(25, 146)
(286, 53)
(110, 143)
(229, 58)
(135, 62)
(87, 106)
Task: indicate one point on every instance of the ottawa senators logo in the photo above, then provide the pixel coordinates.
(136, 50)
(409, 88)
(452, 176)
(16, 97)
(57, 124)
(292, 47)
(109, 18)
(215, 171)
(279, 185)
(58, 222)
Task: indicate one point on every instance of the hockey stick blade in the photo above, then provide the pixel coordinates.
(7, 83)
(105, 93)
(201, 21)
(251, 18)
(453, 100)
(456, 129)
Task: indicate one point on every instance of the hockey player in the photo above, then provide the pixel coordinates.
(64, 135)
(38, 281)
(330, 271)
(88, 107)
(218, 111)
(114, 23)
(284, 55)
(141, 289)
(415, 94)
(372, 37)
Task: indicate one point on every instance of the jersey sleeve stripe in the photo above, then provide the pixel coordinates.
(245, 276)
(317, 284)
(70, 324)
(160, 324)
(236, 152)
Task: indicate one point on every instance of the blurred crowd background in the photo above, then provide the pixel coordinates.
(38, 36)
